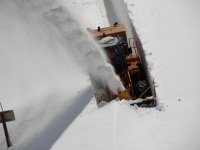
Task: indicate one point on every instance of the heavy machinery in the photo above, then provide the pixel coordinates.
(128, 67)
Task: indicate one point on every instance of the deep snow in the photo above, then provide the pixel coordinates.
(48, 90)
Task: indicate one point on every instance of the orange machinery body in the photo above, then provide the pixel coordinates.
(113, 31)
(132, 61)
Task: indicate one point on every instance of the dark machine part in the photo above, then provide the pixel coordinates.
(117, 55)
(136, 84)
(128, 66)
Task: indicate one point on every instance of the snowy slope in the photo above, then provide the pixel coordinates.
(47, 96)
(170, 32)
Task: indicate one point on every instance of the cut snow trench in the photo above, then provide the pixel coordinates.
(117, 12)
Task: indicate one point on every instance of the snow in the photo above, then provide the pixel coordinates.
(51, 94)
(90, 13)
(35, 76)
(170, 31)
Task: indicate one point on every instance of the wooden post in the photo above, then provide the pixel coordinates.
(9, 144)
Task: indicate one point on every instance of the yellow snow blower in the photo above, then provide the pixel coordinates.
(128, 67)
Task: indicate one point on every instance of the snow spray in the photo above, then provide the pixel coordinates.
(84, 48)
(76, 40)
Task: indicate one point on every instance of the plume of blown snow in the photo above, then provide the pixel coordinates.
(35, 28)
(83, 48)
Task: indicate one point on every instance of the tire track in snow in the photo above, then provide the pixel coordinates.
(114, 125)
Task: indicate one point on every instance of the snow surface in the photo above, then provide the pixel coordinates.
(44, 84)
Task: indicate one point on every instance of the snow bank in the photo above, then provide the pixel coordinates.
(169, 31)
